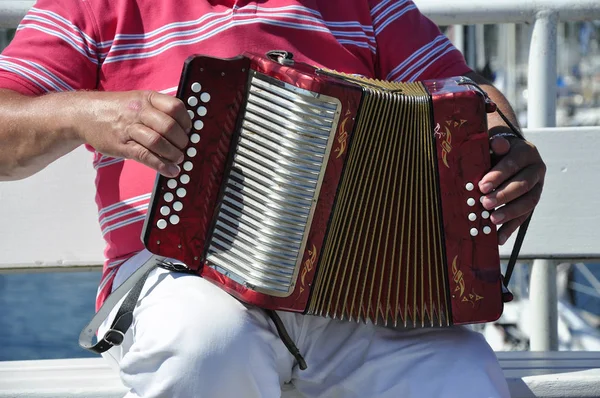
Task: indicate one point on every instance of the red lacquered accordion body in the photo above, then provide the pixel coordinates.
(312, 191)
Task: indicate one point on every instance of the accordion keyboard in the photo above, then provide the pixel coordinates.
(272, 185)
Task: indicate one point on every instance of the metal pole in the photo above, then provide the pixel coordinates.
(480, 46)
(510, 35)
(541, 109)
(454, 12)
(12, 11)
(544, 309)
(3, 38)
(471, 47)
(459, 38)
(541, 112)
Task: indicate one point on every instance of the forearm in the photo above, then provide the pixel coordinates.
(35, 131)
(495, 123)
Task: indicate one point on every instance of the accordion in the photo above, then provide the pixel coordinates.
(308, 190)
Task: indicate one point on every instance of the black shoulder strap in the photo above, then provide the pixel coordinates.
(523, 228)
(114, 336)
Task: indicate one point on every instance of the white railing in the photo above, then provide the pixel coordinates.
(542, 75)
(541, 110)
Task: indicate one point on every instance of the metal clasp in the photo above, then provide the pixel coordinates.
(114, 337)
(281, 56)
(490, 106)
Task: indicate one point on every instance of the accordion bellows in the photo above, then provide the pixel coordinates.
(334, 195)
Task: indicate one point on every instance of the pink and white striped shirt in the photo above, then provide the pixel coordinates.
(116, 45)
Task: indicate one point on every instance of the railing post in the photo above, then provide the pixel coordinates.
(471, 48)
(541, 112)
(3, 38)
(458, 38)
(544, 308)
(541, 109)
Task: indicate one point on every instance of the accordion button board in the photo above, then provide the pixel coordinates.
(313, 191)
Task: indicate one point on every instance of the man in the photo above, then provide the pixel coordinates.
(110, 69)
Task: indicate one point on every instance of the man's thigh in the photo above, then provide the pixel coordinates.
(190, 338)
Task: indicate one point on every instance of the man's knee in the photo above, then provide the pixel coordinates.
(470, 358)
(189, 334)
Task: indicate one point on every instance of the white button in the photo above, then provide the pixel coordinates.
(184, 179)
(471, 202)
(485, 214)
(177, 206)
(481, 199)
(487, 230)
(196, 87)
(172, 183)
(181, 192)
(474, 231)
(165, 210)
(472, 217)
(162, 224)
(192, 101)
(174, 219)
(168, 197)
(187, 166)
(205, 97)
(470, 186)
(195, 138)
(201, 111)
(191, 152)
(198, 124)
(191, 113)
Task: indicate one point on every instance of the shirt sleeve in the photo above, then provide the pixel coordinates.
(410, 47)
(53, 50)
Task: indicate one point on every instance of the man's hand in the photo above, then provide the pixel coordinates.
(142, 125)
(515, 183)
(146, 126)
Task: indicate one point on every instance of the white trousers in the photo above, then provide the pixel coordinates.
(191, 339)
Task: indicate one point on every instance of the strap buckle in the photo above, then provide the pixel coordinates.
(114, 337)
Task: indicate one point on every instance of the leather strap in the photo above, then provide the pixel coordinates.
(514, 255)
(115, 335)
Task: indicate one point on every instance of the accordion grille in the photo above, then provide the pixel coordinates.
(383, 256)
(271, 187)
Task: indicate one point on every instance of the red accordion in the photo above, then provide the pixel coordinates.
(313, 191)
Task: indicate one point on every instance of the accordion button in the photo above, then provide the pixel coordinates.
(196, 87)
(184, 178)
(191, 152)
(177, 206)
(192, 101)
(198, 125)
(201, 111)
(162, 224)
(181, 192)
(168, 197)
(485, 215)
(172, 183)
(195, 138)
(187, 166)
(487, 230)
(472, 217)
(471, 202)
(205, 97)
(165, 210)
(191, 113)
(469, 186)
(174, 219)
(474, 232)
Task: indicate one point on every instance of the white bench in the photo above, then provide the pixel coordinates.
(49, 222)
(529, 374)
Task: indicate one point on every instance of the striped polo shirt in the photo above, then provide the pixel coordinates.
(117, 45)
